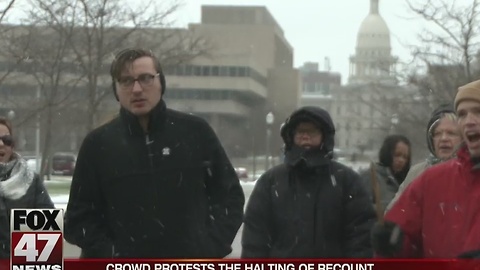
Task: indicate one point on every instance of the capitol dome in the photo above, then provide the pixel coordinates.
(373, 61)
(373, 32)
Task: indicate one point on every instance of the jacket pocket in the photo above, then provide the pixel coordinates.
(213, 248)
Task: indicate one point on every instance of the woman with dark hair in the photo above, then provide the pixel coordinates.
(19, 186)
(391, 169)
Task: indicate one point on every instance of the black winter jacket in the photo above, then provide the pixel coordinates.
(318, 216)
(171, 193)
(310, 206)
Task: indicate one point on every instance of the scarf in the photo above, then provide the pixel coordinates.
(308, 158)
(432, 160)
(15, 178)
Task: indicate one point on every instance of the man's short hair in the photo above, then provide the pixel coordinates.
(126, 57)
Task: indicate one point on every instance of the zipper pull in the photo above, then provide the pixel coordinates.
(147, 140)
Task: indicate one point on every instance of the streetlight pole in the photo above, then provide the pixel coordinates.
(269, 120)
(11, 115)
(37, 135)
(394, 122)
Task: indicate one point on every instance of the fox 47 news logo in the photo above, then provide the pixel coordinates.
(36, 239)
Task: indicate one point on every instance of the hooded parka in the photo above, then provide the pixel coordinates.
(310, 206)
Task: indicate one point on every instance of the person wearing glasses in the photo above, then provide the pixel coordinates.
(20, 187)
(437, 216)
(153, 182)
(310, 206)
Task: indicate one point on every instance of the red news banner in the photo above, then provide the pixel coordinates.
(234, 264)
(270, 265)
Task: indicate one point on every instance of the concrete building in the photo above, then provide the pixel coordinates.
(318, 86)
(248, 74)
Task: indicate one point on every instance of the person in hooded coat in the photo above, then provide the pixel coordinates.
(391, 169)
(20, 187)
(443, 139)
(310, 206)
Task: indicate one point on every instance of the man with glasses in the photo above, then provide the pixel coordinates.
(153, 182)
(310, 206)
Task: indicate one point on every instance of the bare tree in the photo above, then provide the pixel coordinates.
(453, 35)
(103, 27)
(45, 66)
(448, 50)
(6, 36)
(373, 111)
(5, 10)
(446, 57)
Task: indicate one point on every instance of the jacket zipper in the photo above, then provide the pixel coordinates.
(148, 144)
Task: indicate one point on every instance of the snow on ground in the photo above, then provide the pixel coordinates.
(61, 201)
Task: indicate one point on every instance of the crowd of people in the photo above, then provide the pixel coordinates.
(156, 183)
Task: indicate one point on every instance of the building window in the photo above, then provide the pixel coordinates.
(225, 94)
(232, 71)
(197, 71)
(223, 71)
(215, 71)
(168, 70)
(242, 71)
(206, 70)
(179, 70)
(189, 70)
(310, 87)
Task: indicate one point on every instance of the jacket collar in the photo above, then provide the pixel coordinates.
(386, 173)
(464, 156)
(298, 157)
(156, 123)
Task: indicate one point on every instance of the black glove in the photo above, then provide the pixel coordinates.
(473, 254)
(387, 239)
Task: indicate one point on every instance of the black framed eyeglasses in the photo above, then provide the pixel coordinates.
(310, 132)
(7, 140)
(143, 79)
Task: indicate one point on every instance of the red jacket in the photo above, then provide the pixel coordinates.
(439, 212)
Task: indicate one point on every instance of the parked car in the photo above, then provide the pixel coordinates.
(242, 174)
(63, 163)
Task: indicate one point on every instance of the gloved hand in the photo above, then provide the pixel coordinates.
(387, 239)
(473, 254)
